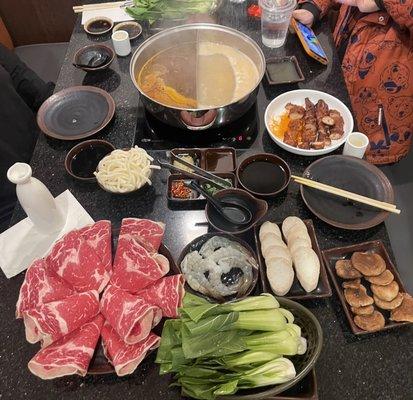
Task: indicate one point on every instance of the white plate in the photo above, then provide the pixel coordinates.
(277, 107)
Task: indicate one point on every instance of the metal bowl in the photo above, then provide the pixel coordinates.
(198, 119)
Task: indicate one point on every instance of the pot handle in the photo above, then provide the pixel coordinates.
(198, 120)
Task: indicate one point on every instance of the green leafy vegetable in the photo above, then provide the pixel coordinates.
(217, 349)
(212, 189)
(152, 10)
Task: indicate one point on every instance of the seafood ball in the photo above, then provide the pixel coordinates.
(278, 252)
(268, 227)
(280, 275)
(291, 222)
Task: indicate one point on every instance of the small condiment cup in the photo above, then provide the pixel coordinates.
(121, 43)
(356, 145)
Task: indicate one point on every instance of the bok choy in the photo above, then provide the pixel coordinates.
(218, 349)
(152, 10)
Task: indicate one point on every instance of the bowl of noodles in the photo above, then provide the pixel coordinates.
(124, 171)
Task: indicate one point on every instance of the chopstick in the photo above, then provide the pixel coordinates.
(348, 195)
(194, 175)
(102, 6)
(201, 171)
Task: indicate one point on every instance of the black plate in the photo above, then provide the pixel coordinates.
(354, 175)
(331, 256)
(76, 113)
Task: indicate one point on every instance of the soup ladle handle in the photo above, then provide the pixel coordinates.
(217, 204)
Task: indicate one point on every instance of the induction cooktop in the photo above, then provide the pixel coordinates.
(244, 133)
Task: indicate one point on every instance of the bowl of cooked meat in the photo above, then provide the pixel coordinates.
(308, 122)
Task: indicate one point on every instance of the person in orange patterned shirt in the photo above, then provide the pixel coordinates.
(374, 39)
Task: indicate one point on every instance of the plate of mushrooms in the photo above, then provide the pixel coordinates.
(308, 122)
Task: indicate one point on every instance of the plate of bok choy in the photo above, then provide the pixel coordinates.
(152, 10)
(248, 349)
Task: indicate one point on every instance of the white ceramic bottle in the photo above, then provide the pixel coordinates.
(35, 198)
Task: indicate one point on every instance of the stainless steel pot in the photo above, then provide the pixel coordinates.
(198, 119)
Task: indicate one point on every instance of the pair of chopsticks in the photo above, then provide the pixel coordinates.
(348, 195)
(102, 6)
(202, 175)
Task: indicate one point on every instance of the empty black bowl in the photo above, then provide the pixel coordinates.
(94, 57)
(241, 197)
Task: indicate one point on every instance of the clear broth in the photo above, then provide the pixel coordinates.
(198, 75)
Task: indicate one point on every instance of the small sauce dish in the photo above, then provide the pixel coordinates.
(82, 160)
(133, 28)
(98, 25)
(94, 57)
(264, 174)
(257, 207)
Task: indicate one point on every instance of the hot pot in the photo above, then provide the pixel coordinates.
(197, 119)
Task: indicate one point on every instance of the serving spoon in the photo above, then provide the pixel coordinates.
(234, 213)
(95, 62)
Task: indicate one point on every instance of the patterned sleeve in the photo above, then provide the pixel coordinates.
(401, 12)
(323, 6)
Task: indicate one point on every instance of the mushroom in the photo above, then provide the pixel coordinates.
(405, 311)
(317, 145)
(369, 264)
(294, 111)
(372, 322)
(367, 310)
(388, 305)
(295, 115)
(358, 297)
(345, 270)
(304, 145)
(386, 293)
(335, 135)
(327, 142)
(383, 279)
(328, 120)
(354, 284)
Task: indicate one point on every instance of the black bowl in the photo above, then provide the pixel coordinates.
(196, 245)
(257, 207)
(76, 150)
(84, 57)
(267, 157)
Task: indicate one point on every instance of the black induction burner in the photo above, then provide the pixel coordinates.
(243, 133)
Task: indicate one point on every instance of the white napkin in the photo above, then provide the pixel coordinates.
(115, 14)
(21, 244)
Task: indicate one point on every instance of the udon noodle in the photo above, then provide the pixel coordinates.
(124, 171)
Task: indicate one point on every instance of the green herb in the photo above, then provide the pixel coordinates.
(217, 349)
(212, 189)
(152, 10)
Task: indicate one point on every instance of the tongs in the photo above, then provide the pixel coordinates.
(202, 175)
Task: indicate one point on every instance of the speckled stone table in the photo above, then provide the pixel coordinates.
(377, 366)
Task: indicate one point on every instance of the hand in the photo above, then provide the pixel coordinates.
(365, 6)
(304, 16)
